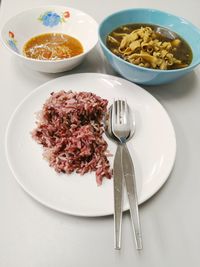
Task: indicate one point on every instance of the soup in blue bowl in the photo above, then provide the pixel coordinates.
(148, 46)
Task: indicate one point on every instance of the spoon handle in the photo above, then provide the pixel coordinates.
(118, 195)
(130, 181)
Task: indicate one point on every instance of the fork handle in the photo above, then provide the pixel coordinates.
(130, 181)
(118, 195)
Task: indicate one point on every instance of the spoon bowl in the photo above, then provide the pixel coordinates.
(165, 32)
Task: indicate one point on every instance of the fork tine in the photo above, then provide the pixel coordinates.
(114, 110)
(118, 112)
(121, 111)
(125, 109)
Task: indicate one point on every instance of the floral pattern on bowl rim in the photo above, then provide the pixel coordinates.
(12, 42)
(51, 18)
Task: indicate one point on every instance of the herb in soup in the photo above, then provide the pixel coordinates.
(52, 46)
(150, 46)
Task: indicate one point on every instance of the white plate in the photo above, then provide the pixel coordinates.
(153, 148)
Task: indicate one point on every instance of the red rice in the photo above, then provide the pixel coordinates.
(70, 129)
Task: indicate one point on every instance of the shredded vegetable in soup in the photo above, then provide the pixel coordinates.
(52, 46)
(142, 45)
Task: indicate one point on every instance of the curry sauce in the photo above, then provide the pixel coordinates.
(52, 46)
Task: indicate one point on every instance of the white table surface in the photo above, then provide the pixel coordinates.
(34, 236)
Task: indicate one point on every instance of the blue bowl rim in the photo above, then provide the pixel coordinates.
(190, 67)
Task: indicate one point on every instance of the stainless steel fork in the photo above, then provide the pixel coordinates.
(123, 128)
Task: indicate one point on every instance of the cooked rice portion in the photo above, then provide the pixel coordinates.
(70, 129)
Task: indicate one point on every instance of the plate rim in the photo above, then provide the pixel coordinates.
(102, 214)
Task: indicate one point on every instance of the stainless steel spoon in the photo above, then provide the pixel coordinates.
(167, 33)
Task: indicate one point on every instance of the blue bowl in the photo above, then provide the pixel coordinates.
(137, 74)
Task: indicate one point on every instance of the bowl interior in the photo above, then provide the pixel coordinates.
(19, 29)
(185, 29)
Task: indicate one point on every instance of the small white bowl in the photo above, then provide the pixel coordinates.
(57, 19)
